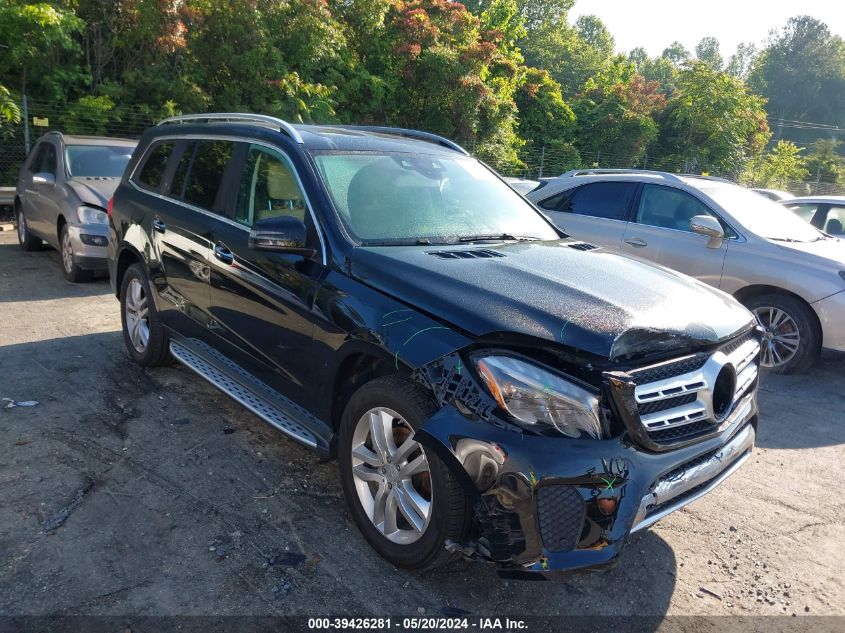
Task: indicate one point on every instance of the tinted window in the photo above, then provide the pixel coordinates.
(668, 208)
(153, 170)
(555, 203)
(608, 200)
(207, 171)
(177, 183)
(36, 157)
(47, 160)
(268, 188)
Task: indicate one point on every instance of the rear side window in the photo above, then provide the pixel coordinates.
(155, 165)
(207, 170)
(608, 200)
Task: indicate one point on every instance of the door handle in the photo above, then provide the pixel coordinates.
(159, 226)
(222, 253)
(636, 242)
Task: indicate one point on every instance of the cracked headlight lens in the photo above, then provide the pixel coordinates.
(540, 399)
(92, 215)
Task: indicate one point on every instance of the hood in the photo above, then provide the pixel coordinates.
(831, 249)
(599, 302)
(94, 190)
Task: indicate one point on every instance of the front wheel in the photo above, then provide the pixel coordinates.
(403, 498)
(71, 271)
(791, 338)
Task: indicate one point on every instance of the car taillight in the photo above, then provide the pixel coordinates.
(110, 207)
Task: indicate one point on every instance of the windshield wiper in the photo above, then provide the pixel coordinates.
(402, 242)
(500, 236)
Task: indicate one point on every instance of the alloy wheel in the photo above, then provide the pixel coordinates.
(392, 476)
(137, 315)
(67, 252)
(781, 337)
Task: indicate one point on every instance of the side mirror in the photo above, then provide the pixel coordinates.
(44, 178)
(282, 234)
(708, 226)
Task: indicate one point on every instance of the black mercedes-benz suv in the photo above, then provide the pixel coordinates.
(489, 387)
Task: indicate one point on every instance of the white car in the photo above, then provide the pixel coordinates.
(790, 274)
(774, 194)
(823, 212)
(521, 185)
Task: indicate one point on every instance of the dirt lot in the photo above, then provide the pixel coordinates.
(139, 492)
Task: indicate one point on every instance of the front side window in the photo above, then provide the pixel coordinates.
(668, 208)
(154, 166)
(176, 188)
(805, 210)
(47, 163)
(103, 161)
(608, 200)
(207, 170)
(268, 188)
(396, 197)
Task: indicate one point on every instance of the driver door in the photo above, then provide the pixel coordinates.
(660, 232)
(261, 301)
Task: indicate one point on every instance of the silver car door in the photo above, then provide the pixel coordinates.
(596, 212)
(660, 232)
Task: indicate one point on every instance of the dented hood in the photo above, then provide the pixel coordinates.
(599, 302)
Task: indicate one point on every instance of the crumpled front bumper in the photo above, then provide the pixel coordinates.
(552, 506)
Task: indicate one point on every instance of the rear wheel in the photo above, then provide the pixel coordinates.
(403, 498)
(71, 271)
(27, 240)
(145, 338)
(791, 338)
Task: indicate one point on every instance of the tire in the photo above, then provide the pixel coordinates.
(402, 407)
(70, 270)
(786, 320)
(149, 344)
(27, 240)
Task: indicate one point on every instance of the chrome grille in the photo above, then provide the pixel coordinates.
(675, 400)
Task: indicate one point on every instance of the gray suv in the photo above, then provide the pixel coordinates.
(62, 194)
(790, 274)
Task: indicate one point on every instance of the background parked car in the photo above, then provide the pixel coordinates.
(61, 197)
(790, 274)
(826, 213)
(774, 194)
(521, 185)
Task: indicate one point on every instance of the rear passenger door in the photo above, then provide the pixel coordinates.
(186, 178)
(596, 212)
(262, 301)
(660, 232)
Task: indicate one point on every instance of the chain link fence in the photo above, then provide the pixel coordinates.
(101, 118)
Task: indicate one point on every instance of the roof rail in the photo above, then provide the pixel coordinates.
(284, 126)
(398, 131)
(714, 178)
(648, 172)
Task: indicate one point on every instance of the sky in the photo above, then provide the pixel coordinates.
(654, 24)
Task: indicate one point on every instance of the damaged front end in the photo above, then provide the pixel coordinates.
(548, 503)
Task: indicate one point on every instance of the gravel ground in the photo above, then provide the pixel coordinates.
(135, 492)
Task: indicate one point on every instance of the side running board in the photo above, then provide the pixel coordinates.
(256, 396)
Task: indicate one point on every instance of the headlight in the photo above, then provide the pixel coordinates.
(92, 215)
(539, 399)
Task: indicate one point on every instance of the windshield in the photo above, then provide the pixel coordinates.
(104, 161)
(762, 216)
(400, 198)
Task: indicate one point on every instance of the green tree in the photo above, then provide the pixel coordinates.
(824, 162)
(9, 111)
(676, 53)
(802, 73)
(742, 60)
(41, 51)
(713, 123)
(616, 113)
(777, 168)
(707, 51)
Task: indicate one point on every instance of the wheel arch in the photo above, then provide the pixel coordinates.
(127, 256)
(749, 292)
(358, 367)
